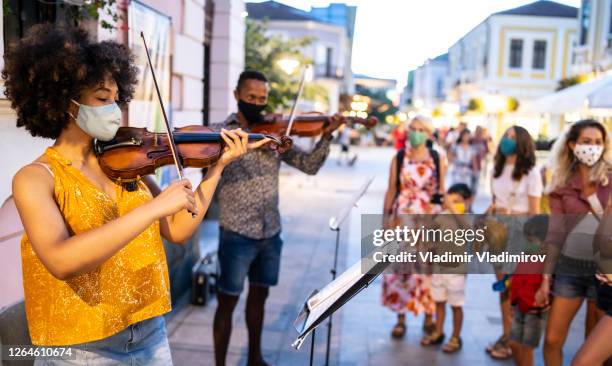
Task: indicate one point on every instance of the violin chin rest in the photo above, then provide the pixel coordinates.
(286, 143)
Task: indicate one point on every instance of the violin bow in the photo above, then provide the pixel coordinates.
(296, 101)
(169, 135)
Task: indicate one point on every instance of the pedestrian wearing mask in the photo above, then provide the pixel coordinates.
(517, 189)
(415, 182)
(579, 193)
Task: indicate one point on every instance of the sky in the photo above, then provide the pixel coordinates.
(393, 37)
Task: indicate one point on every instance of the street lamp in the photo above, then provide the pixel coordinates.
(495, 103)
(288, 65)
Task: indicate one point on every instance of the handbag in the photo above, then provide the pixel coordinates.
(602, 242)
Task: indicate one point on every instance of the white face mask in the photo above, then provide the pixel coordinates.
(588, 154)
(101, 122)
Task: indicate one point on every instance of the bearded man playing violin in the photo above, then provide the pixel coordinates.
(94, 269)
(250, 225)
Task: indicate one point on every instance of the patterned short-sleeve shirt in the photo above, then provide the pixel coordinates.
(248, 190)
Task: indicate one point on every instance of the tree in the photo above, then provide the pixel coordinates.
(380, 106)
(262, 53)
(78, 11)
(475, 105)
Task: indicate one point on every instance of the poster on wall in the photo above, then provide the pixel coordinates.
(144, 108)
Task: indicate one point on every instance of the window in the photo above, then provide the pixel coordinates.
(610, 21)
(539, 55)
(516, 53)
(20, 15)
(328, 62)
(440, 89)
(610, 26)
(585, 16)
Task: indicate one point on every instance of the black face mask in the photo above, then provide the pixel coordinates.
(250, 111)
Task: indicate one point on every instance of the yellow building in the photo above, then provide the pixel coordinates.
(519, 53)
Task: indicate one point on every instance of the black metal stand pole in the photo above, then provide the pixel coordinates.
(333, 273)
(312, 345)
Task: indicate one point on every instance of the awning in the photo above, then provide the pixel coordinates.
(594, 94)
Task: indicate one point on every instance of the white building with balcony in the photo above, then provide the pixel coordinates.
(520, 53)
(428, 88)
(330, 49)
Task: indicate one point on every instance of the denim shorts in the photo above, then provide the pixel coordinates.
(604, 297)
(575, 286)
(240, 256)
(142, 343)
(527, 328)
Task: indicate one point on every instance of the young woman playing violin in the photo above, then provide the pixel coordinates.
(94, 269)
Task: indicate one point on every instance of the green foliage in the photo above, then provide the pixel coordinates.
(380, 105)
(513, 104)
(6, 8)
(475, 105)
(570, 81)
(262, 53)
(89, 9)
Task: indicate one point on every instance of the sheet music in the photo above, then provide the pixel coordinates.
(328, 295)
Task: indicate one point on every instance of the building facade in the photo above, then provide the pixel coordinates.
(593, 50)
(331, 48)
(520, 53)
(429, 84)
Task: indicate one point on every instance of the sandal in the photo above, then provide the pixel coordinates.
(432, 339)
(453, 345)
(429, 328)
(398, 330)
(498, 343)
(501, 350)
(501, 353)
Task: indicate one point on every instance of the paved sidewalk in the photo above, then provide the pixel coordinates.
(361, 329)
(367, 340)
(307, 203)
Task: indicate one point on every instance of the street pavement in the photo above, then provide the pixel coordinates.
(361, 332)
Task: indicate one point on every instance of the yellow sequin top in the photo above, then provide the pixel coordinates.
(131, 286)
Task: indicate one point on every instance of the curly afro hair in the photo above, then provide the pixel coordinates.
(52, 65)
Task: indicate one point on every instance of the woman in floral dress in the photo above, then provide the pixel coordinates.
(413, 189)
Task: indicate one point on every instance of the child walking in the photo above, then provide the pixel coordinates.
(450, 288)
(528, 309)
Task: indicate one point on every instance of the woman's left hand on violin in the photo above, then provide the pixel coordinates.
(237, 144)
(334, 122)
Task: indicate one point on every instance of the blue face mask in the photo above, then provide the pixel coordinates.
(507, 146)
(101, 122)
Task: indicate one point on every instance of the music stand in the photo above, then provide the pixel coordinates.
(334, 225)
(322, 304)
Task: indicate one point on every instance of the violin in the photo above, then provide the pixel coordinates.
(307, 125)
(135, 152)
